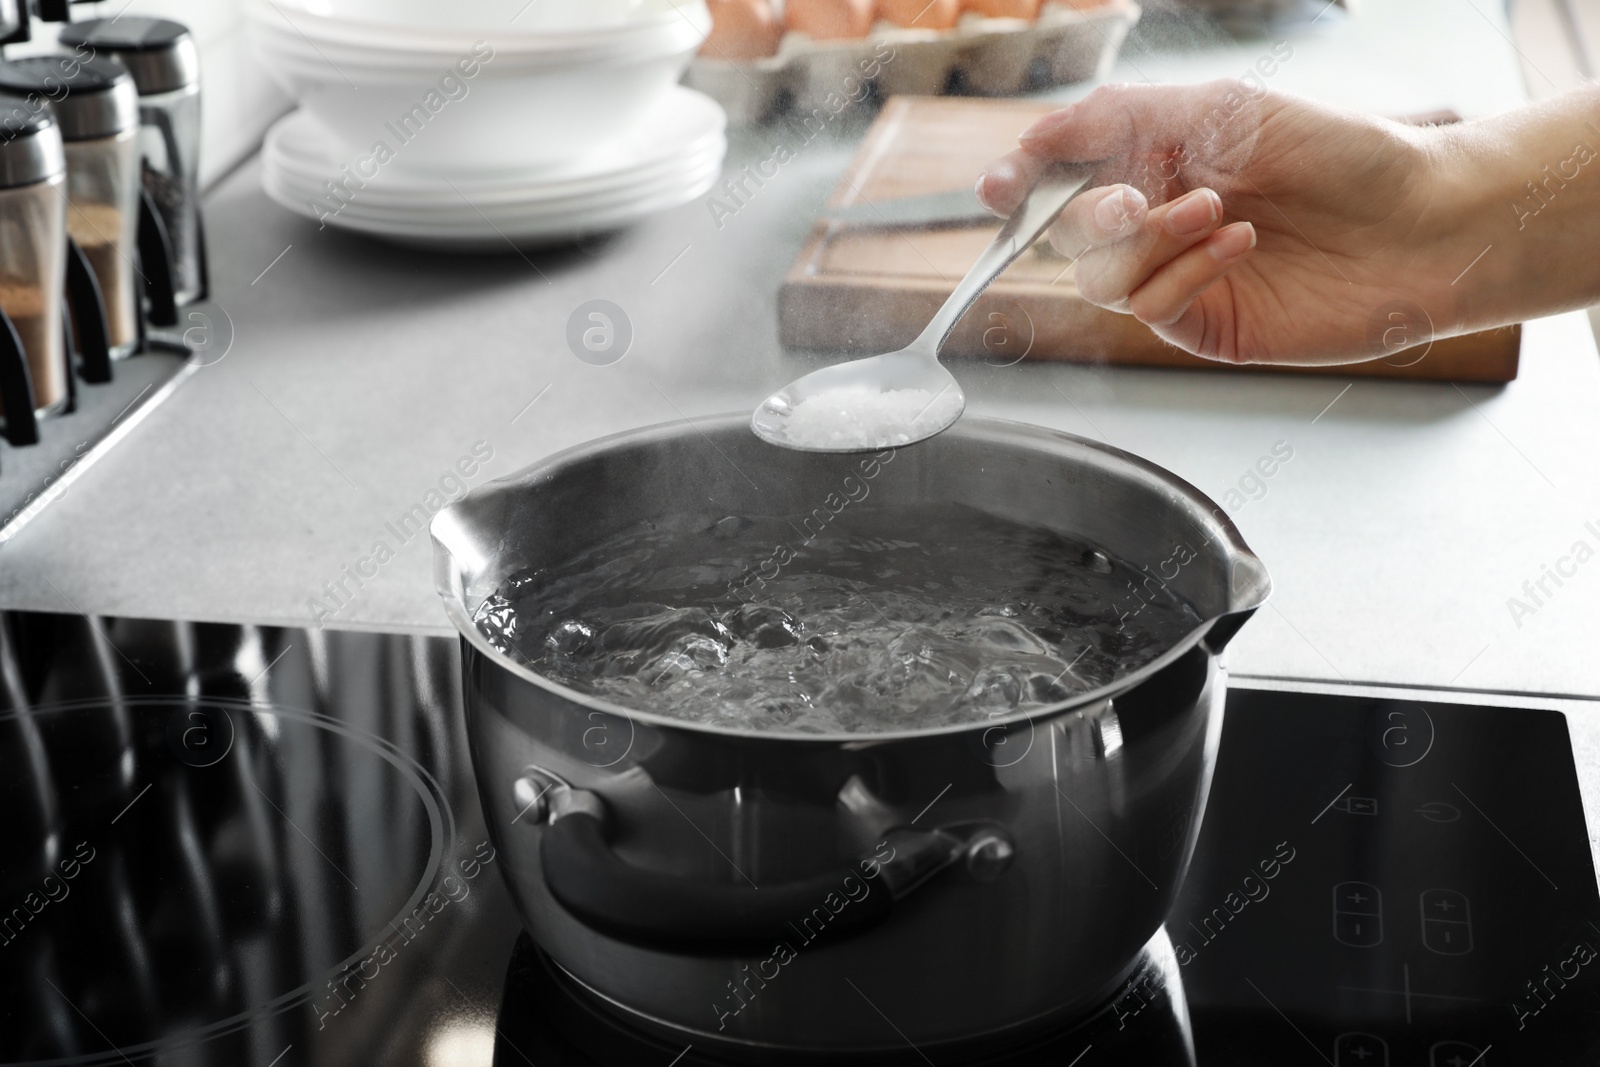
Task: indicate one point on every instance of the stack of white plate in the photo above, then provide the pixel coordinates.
(468, 124)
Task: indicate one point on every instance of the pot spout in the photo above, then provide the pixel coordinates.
(1249, 586)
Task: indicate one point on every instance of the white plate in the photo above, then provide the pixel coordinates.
(472, 211)
(370, 199)
(677, 160)
(493, 233)
(683, 124)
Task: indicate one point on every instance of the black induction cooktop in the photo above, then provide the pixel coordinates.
(261, 847)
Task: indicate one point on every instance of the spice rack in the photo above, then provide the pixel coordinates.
(105, 399)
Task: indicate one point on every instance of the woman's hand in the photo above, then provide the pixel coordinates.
(1251, 227)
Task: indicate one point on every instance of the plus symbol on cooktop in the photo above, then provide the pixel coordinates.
(1458, 1061)
(1357, 898)
(1361, 1052)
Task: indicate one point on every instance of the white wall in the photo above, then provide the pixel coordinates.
(239, 100)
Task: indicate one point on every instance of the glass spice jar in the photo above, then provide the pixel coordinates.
(33, 209)
(161, 56)
(96, 108)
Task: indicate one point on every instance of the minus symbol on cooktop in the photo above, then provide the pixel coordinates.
(1332, 802)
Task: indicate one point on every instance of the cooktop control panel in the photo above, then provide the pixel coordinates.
(1391, 882)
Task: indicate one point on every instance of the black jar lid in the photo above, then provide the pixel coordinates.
(90, 98)
(30, 143)
(160, 53)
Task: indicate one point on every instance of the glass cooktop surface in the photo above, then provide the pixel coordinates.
(262, 847)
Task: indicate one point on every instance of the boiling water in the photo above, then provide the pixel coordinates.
(887, 619)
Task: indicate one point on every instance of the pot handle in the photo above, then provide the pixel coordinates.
(693, 917)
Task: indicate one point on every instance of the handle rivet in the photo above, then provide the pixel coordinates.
(530, 796)
(989, 856)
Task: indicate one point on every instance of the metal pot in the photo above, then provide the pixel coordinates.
(803, 894)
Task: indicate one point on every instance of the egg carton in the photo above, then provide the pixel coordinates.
(1254, 18)
(981, 56)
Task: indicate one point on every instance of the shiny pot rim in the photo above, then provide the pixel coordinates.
(1244, 596)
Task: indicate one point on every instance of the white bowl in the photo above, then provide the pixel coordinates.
(411, 28)
(484, 15)
(366, 54)
(511, 113)
(490, 15)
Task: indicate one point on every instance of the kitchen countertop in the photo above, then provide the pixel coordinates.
(358, 375)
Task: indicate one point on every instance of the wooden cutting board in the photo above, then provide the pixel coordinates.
(865, 291)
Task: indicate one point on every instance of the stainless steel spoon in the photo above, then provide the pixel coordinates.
(917, 365)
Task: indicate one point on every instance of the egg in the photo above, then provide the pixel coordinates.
(742, 29)
(1004, 9)
(921, 14)
(830, 19)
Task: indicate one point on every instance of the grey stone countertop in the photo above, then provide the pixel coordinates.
(359, 375)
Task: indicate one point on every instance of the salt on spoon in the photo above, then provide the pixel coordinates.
(903, 397)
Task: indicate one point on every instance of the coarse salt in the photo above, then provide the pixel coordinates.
(861, 417)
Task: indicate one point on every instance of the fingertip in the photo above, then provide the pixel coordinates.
(1121, 209)
(1048, 126)
(1232, 242)
(1194, 214)
(1004, 182)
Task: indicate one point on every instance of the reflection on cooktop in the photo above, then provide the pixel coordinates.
(547, 1018)
(251, 846)
(223, 844)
